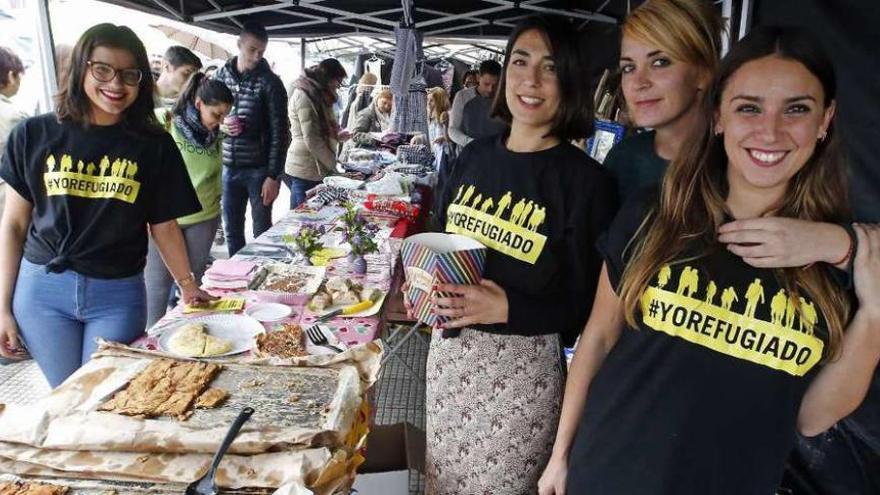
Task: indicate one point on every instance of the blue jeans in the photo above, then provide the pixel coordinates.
(199, 237)
(298, 188)
(59, 315)
(239, 187)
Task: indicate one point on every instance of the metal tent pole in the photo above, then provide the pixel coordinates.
(47, 56)
(302, 55)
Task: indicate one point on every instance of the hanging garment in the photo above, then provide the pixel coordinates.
(411, 110)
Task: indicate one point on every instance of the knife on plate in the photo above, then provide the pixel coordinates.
(350, 310)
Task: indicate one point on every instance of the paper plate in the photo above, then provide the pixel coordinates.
(322, 256)
(239, 329)
(371, 311)
(268, 311)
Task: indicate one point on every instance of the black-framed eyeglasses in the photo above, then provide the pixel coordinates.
(106, 73)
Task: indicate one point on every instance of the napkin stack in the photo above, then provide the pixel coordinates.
(229, 275)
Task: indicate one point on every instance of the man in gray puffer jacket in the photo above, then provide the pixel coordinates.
(258, 134)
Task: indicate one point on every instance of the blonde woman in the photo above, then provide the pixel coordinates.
(668, 56)
(438, 116)
(696, 368)
(359, 98)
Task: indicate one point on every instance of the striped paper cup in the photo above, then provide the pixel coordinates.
(434, 258)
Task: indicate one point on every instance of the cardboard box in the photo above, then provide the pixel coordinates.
(393, 453)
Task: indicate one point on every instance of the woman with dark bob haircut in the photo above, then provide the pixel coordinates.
(86, 185)
(538, 203)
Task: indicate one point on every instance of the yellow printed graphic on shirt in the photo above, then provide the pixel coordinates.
(482, 218)
(731, 327)
(106, 180)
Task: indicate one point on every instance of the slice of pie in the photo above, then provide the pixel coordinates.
(212, 397)
(193, 340)
(22, 488)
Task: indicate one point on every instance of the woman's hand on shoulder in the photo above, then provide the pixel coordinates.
(484, 303)
(776, 242)
(866, 270)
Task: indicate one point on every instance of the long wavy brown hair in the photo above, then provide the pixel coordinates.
(692, 200)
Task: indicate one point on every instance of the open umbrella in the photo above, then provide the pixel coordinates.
(194, 42)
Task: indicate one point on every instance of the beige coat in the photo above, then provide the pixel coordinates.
(311, 156)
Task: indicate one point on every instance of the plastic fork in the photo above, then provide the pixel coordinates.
(317, 337)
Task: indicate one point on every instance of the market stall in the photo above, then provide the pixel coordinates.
(295, 335)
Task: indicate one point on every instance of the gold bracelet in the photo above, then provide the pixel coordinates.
(189, 279)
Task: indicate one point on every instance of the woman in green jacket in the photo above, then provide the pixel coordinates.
(193, 122)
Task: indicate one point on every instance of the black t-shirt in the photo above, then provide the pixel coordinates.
(703, 397)
(635, 165)
(540, 215)
(93, 193)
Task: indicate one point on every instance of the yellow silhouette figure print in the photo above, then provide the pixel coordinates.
(517, 211)
(114, 168)
(104, 165)
(503, 204)
(489, 203)
(728, 297)
(711, 289)
(664, 276)
(467, 195)
(538, 217)
(790, 311)
(477, 201)
(50, 163)
(90, 168)
(526, 213)
(66, 163)
(80, 166)
(688, 282)
(777, 307)
(458, 196)
(754, 296)
(809, 317)
(132, 170)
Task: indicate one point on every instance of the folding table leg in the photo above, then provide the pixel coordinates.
(394, 348)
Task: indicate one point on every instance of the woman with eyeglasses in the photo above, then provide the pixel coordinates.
(87, 183)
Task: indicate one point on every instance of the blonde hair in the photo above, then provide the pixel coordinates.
(440, 100)
(688, 30)
(385, 93)
(368, 79)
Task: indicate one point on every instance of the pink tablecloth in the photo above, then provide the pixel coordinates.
(350, 331)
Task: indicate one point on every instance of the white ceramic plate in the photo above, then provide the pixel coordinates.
(268, 311)
(239, 329)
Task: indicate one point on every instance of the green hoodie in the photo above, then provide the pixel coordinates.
(204, 166)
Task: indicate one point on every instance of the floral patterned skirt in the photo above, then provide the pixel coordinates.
(492, 404)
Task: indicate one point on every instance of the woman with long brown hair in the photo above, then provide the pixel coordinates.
(668, 56)
(696, 368)
(88, 183)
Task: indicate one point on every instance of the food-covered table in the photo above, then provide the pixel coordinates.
(106, 431)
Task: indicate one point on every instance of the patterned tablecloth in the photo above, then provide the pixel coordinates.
(270, 247)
